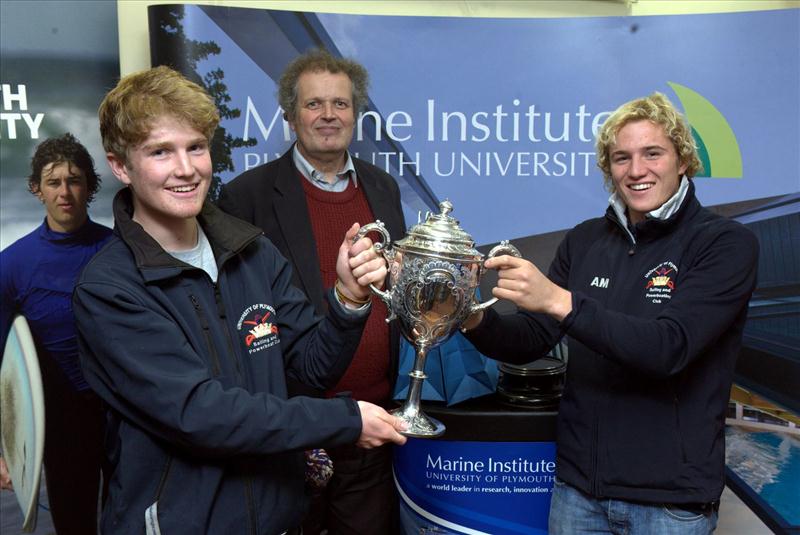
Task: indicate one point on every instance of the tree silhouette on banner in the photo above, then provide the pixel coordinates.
(170, 46)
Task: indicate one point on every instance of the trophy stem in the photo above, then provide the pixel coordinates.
(419, 424)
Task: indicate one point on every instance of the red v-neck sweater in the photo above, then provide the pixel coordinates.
(332, 214)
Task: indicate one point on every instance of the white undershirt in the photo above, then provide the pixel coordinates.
(200, 256)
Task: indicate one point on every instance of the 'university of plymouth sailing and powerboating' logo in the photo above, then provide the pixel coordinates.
(257, 324)
(661, 282)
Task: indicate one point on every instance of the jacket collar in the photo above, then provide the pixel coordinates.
(227, 235)
(682, 205)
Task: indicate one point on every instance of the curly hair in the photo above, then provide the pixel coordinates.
(128, 111)
(657, 109)
(65, 148)
(320, 60)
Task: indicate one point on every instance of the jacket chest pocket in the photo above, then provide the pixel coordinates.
(207, 338)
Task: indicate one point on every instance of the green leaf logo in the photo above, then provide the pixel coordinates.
(716, 143)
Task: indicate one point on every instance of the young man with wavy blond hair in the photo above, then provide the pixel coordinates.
(653, 298)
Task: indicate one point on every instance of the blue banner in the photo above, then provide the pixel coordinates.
(502, 488)
(499, 115)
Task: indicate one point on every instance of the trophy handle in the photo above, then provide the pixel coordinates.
(381, 247)
(504, 247)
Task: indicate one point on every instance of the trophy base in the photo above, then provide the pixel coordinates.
(419, 424)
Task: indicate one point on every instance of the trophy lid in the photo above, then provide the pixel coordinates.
(440, 235)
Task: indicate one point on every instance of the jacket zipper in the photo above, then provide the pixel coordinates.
(251, 512)
(628, 234)
(248, 482)
(676, 406)
(596, 446)
(163, 481)
(215, 364)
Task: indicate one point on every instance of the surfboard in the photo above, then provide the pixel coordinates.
(22, 418)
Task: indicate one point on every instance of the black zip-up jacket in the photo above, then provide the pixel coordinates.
(202, 437)
(654, 333)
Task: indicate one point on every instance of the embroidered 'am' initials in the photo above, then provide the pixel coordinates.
(600, 282)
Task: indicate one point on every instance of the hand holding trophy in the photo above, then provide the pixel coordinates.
(433, 274)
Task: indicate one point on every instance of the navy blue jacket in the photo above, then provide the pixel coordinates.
(202, 436)
(654, 333)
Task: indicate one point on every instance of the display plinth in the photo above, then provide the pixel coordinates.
(491, 472)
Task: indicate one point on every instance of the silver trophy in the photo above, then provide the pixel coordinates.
(433, 274)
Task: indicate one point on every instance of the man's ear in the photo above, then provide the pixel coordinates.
(289, 121)
(118, 168)
(37, 190)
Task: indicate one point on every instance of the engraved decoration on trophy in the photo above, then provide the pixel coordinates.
(433, 274)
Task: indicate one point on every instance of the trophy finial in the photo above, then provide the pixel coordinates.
(445, 207)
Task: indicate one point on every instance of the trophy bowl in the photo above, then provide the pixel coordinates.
(433, 274)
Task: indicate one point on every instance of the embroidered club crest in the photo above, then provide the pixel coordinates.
(257, 326)
(661, 282)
